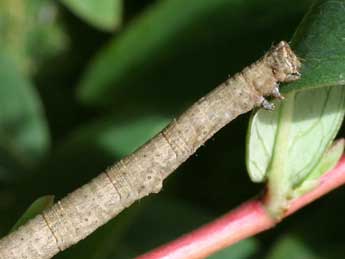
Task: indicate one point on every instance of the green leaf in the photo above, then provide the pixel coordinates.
(297, 133)
(103, 14)
(24, 136)
(329, 159)
(260, 143)
(172, 35)
(319, 41)
(284, 146)
(36, 208)
(304, 125)
(327, 162)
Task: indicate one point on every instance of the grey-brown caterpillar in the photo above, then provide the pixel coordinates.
(83, 211)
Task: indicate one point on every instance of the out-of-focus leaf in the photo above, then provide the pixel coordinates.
(170, 40)
(24, 136)
(45, 36)
(12, 31)
(242, 250)
(36, 208)
(292, 247)
(29, 31)
(118, 137)
(103, 14)
(319, 40)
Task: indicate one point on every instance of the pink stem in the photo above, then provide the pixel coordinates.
(243, 222)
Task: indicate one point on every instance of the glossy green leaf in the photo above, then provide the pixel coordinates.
(103, 14)
(319, 41)
(173, 35)
(24, 136)
(36, 208)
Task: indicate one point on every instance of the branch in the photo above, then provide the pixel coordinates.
(247, 220)
(141, 173)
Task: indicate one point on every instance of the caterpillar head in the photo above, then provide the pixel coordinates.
(284, 62)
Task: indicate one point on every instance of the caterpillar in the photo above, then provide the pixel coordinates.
(141, 173)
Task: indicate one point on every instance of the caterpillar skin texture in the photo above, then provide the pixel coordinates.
(141, 173)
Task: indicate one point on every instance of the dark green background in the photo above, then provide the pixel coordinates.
(169, 60)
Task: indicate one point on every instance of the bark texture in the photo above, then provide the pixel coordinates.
(141, 173)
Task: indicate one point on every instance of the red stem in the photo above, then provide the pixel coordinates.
(243, 222)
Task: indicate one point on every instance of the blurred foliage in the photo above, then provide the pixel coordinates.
(76, 96)
(103, 14)
(23, 128)
(29, 31)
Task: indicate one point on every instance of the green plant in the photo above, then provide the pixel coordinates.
(136, 82)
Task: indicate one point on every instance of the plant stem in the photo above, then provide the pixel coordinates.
(278, 178)
(247, 220)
